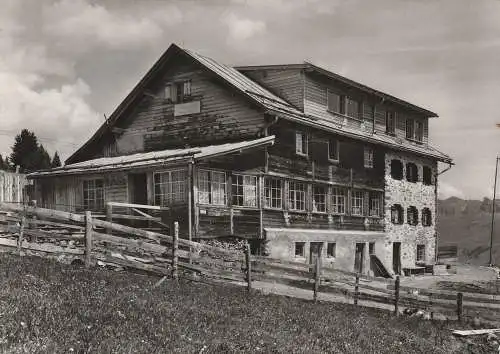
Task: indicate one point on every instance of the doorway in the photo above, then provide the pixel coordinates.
(359, 257)
(396, 257)
(139, 188)
(315, 251)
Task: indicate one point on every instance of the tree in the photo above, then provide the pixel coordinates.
(28, 154)
(56, 161)
(43, 158)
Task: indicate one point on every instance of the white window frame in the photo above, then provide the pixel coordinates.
(301, 143)
(249, 196)
(273, 195)
(174, 191)
(319, 202)
(209, 189)
(357, 209)
(368, 157)
(89, 186)
(337, 152)
(338, 199)
(296, 195)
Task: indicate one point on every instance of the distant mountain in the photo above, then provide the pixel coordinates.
(467, 223)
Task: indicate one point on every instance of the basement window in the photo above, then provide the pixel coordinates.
(300, 249)
(426, 217)
(244, 190)
(212, 187)
(397, 214)
(170, 187)
(427, 175)
(331, 250)
(420, 253)
(273, 191)
(412, 215)
(396, 169)
(93, 194)
(297, 196)
(411, 172)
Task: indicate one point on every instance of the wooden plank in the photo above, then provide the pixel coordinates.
(130, 230)
(248, 267)
(134, 217)
(449, 293)
(175, 249)
(238, 276)
(132, 264)
(277, 267)
(475, 332)
(264, 259)
(41, 223)
(53, 235)
(43, 247)
(44, 213)
(88, 238)
(137, 206)
(123, 241)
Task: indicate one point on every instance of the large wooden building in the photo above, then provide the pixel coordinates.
(299, 160)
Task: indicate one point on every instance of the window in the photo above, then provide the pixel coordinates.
(426, 217)
(375, 204)
(273, 191)
(212, 187)
(301, 143)
(319, 199)
(411, 172)
(412, 215)
(371, 248)
(170, 187)
(333, 149)
(338, 200)
(397, 169)
(357, 202)
(178, 92)
(352, 108)
(368, 157)
(410, 129)
(299, 249)
(419, 130)
(390, 122)
(335, 102)
(397, 214)
(93, 194)
(244, 190)
(427, 175)
(297, 195)
(420, 253)
(331, 250)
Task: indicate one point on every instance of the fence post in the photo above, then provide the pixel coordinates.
(175, 248)
(88, 238)
(460, 306)
(356, 289)
(317, 274)
(396, 296)
(109, 216)
(249, 267)
(21, 234)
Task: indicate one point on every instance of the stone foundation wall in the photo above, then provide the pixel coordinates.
(409, 194)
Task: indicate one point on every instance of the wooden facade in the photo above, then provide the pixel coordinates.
(307, 178)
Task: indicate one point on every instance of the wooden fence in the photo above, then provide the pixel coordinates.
(90, 239)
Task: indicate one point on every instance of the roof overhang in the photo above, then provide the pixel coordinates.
(154, 159)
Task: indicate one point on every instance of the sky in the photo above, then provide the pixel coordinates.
(64, 64)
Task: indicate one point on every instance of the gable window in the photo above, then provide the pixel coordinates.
(352, 108)
(338, 199)
(410, 129)
(335, 102)
(411, 172)
(397, 214)
(331, 250)
(427, 175)
(170, 187)
(368, 157)
(412, 216)
(390, 122)
(333, 149)
(426, 217)
(300, 249)
(93, 194)
(396, 169)
(319, 199)
(375, 204)
(212, 187)
(244, 190)
(273, 192)
(297, 195)
(357, 202)
(420, 253)
(419, 130)
(301, 143)
(178, 92)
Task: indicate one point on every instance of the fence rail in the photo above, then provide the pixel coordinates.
(94, 240)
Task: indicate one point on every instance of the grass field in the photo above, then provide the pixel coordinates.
(54, 308)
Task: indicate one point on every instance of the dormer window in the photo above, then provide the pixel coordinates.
(415, 130)
(301, 143)
(178, 92)
(335, 102)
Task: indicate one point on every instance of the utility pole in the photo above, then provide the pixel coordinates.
(493, 212)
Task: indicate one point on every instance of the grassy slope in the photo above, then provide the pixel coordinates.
(50, 307)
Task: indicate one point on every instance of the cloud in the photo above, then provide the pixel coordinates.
(243, 28)
(446, 190)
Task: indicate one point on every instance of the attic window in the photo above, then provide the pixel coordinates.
(178, 92)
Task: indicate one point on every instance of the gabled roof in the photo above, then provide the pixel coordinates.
(154, 158)
(314, 68)
(231, 76)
